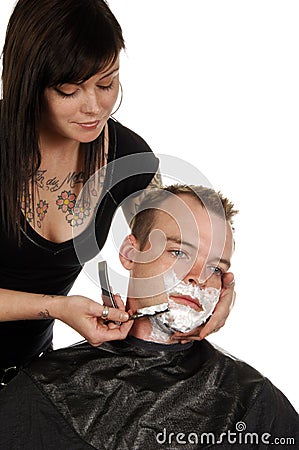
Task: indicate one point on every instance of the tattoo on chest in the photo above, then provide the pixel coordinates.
(55, 183)
(26, 208)
(41, 211)
(76, 212)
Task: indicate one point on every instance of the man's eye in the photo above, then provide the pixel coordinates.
(217, 271)
(178, 253)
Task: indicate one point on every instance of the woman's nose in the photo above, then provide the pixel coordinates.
(90, 104)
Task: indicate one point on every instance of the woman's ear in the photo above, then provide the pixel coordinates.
(127, 250)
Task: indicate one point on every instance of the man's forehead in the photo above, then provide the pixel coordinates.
(193, 228)
(188, 218)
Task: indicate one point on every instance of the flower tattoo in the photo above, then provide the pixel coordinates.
(26, 208)
(66, 201)
(76, 214)
(41, 211)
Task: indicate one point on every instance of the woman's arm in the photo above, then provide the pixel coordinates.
(131, 206)
(79, 312)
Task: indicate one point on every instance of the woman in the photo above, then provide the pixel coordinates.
(60, 86)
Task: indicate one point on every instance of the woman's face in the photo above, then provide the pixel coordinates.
(79, 112)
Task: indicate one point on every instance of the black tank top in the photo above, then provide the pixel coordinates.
(44, 267)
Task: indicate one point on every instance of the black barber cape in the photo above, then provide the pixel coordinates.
(133, 394)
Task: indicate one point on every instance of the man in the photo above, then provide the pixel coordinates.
(149, 391)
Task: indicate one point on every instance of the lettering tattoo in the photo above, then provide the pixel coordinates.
(55, 184)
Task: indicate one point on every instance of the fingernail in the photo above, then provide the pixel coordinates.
(124, 316)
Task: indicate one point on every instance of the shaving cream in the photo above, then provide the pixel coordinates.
(153, 309)
(183, 318)
(180, 317)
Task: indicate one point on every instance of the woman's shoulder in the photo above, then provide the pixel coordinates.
(127, 140)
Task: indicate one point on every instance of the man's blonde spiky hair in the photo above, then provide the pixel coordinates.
(143, 222)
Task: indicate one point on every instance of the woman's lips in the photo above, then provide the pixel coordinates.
(188, 301)
(89, 125)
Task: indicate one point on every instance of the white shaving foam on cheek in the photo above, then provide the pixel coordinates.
(184, 318)
(181, 317)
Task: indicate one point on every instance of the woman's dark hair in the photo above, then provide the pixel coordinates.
(48, 43)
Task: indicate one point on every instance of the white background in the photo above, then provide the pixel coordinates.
(216, 83)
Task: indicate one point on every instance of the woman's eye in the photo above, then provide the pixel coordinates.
(106, 88)
(65, 94)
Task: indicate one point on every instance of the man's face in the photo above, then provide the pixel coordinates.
(187, 245)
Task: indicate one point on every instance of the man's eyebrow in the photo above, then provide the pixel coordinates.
(179, 241)
(225, 261)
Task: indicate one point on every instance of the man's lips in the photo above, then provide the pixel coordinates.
(187, 300)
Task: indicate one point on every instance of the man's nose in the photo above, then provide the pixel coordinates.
(201, 281)
(197, 275)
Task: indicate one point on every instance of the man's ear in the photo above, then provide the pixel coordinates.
(127, 250)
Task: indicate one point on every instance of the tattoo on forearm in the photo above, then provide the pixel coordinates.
(45, 314)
